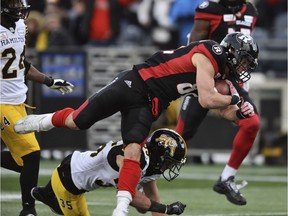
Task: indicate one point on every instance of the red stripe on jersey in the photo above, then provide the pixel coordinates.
(254, 22)
(242, 11)
(214, 20)
(177, 65)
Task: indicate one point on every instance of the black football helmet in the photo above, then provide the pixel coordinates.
(167, 151)
(233, 5)
(242, 55)
(15, 9)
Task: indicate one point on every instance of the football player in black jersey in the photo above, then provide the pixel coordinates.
(24, 151)
(143, 92)
(213, 21)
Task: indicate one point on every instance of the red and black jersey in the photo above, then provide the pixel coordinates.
(222, 21)
(170, 74)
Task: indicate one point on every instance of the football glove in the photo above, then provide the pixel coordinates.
(62, 85)
(175, 208)
(235, 95)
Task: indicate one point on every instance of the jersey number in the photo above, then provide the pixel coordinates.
(66, 204)
(11, 53)
(185, 88)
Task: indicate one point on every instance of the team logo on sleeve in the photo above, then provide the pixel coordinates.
(217, 49)
(3, 35)
(21, 32)
(204, 4)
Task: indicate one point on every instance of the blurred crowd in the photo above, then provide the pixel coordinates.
(161, 23)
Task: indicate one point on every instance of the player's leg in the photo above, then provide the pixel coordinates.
(8, 162)
(135, 126)
(47, 196)
(70, 204)
(102, 104)
(25, 151)
(244, 139)
(29, 177)
(242, 143)
(190, 117)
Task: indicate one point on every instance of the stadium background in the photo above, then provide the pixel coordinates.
(90, 67)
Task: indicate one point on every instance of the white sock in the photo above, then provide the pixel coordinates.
(227, 172)
(47, 121)
(123, 200)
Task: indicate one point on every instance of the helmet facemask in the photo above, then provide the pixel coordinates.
(171, 168)
(167, 153)
(241, 64)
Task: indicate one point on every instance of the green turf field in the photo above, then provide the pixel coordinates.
(266, 192)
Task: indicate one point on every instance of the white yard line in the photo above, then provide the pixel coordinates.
(197, 176)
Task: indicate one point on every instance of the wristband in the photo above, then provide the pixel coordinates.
(48, 81)
(157, 207)
(234, 99)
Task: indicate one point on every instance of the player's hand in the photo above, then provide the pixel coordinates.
(234, 93)
(175, 208)
(62, 85)
(246, 110)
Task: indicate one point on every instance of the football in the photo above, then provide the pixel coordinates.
(222, 87)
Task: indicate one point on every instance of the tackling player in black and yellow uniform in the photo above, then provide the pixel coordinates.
(80, 172)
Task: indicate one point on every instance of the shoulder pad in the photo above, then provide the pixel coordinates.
(217, 52)
(210, 7)
(251, 9)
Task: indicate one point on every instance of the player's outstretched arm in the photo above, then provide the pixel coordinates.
(143, 204)
(58, 84)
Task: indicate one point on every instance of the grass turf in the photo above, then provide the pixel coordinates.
(266, 192)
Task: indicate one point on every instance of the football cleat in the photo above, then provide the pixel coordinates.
(49, 199)
(32, 123)
(28, 212)
(230, 190)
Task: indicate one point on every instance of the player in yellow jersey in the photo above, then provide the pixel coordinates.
(24, 151)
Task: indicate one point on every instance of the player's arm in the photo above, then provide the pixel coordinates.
(143, 204)
(58, 84)
(207, 96)
(152, 192)
(200, 30)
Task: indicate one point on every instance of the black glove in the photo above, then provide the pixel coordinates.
(175, 208)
